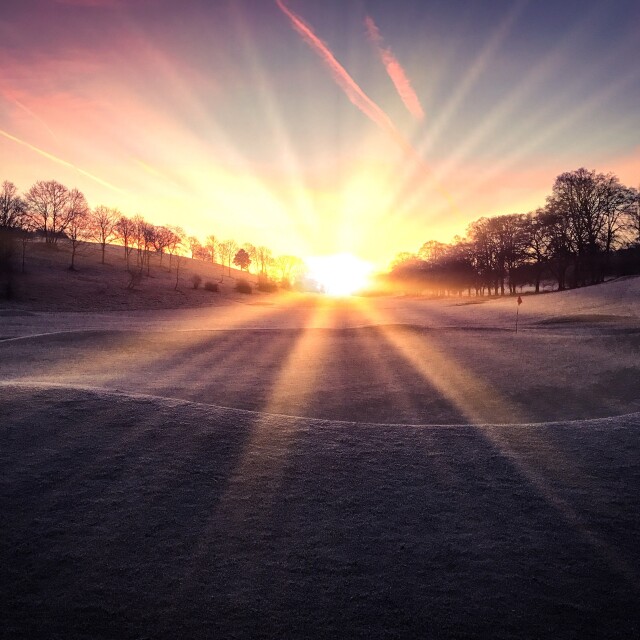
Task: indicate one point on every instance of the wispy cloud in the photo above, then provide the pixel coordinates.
(395, 71)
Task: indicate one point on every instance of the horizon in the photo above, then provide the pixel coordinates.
(360, 129)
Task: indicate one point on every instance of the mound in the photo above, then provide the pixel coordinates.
(49, 285)
(140, 517)
(384, 373)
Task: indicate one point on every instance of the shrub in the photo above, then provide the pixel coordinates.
(211, 286)
(7, 251)
(196, 280)
(242, 286)
(264, 284)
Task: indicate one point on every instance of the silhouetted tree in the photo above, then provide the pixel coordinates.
(50, 205)
(138, 237)
(432, 251)
(103, 226)
(288, 269)
(7, 252)
(178, 261)
(251, 252)
(194, 246)
(264, 259)
(78, 227)
(211, 245)
(227, 250)
(593, 205)
(537, 239)
(242, 260)
(12, 220)
(176, 242)
(161, 241)
(12, 207)
(148, 237)
(125, 231)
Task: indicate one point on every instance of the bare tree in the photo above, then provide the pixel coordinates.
(49, 205)
(263, 258)
(178, 261)
(78, 227)
(251, 251)
(12, 218)
(211, 245)
(537, 245)
(148, 237)
(176, 242)
(162, 240)
(103, 226)
(26, 236)
(125, 230)
(432, 251)
(227, 250)
(194, 246)
(12, 207)
(288, 268)
(139, 225)
(593, 205)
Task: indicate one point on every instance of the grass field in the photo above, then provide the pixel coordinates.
(297, 467)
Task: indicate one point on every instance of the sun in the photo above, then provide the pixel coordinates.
(340, 274)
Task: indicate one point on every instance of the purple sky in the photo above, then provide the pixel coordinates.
(228, 118)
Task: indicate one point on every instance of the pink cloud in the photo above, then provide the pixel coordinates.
(396, 72)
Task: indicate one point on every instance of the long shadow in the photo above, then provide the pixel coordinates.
(232, 369)
(368, 380)
(131, 360)
(403, 532)
(114, 527)
(108, 503)
(106, 508)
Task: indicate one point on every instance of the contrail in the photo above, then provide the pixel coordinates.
(395, 71)
(64, 163)
(351, 88)
(358, 97)
(26, 109)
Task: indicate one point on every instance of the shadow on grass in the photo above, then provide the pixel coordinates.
(129, 518)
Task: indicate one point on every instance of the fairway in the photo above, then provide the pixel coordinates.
(318, 469)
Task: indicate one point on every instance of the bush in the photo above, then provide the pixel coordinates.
(211, 286)
(196, 280)
(7, 252)
(242, 286)
(264, 284)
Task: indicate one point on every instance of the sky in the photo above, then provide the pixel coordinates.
(343, 126)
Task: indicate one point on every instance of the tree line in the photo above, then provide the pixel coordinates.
(52, 212)
(589, 228)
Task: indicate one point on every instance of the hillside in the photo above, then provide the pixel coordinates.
(49, 285)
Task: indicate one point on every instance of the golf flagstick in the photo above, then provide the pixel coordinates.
(517, 312)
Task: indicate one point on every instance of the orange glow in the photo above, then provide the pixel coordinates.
(314, 146)
(341, 274)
